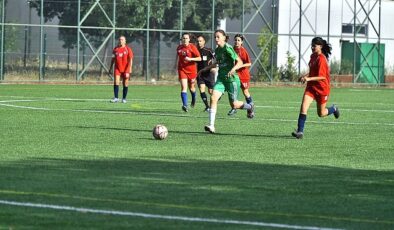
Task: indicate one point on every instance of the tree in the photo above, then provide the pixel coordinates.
(133, 14)
(267, 42)
(288, 72)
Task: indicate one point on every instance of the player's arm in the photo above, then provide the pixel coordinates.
(193, 58)
(196, 53)
(306, 78)
(246, 65)
(176, 62)
(316, 78)
(208, 67)
(246, 59)
(131, 55)
(237, 66)
(112, 64)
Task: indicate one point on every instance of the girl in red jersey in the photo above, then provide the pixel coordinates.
(187, 55)
(243, 72)
(123, 60)
(317, 85)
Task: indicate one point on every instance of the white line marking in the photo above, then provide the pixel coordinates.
(174, 101)
(185, 115)
(156, 216)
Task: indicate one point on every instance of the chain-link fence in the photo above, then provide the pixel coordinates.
(57, 40)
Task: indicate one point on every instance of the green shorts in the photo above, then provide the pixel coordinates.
(231, 87)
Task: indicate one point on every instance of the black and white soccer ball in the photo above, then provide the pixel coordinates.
(160, 132)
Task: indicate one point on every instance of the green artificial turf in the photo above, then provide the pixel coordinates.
(66, 145)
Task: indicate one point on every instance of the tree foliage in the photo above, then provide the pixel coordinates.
(267, 42)
(133, 14)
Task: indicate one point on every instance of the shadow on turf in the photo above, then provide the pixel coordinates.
(305, 195)
(281, 136)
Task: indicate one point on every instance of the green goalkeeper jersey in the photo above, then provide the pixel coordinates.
(226, 57)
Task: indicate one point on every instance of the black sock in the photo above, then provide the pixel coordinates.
(204, 99)
(125, 90)
(249, 99)
(116, 91)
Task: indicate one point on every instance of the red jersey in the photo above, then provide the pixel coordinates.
(190, 51)
(318, 67)
(243, 72)
(122, 57)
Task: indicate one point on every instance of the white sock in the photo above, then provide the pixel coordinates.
(246, 106)
(212, 117)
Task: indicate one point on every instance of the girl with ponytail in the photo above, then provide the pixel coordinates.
(317, 85)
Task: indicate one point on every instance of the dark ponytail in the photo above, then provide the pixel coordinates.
(326, 47)
(224, 34)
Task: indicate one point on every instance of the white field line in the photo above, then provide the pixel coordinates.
(157, 216)
(175, 101)
(185, 115)
(298, 103)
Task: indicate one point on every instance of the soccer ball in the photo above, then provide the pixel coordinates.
(160, 132)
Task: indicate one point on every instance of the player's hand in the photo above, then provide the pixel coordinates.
(231, 73)
(303, 79)
(187, 59)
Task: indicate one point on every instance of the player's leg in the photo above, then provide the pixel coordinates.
(233, 93)
(125, 81)
(216, 94)
(184, 82)
(245, 90)
(306, 102)
(116, 88)
(192, 87)
(323, 111)
(203, 95)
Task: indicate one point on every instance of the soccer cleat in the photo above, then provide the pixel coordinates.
(115, 100)
(210, 128)
(250, 112)
(298, 135)
(336, 112)
(232, 112)
(184, 108)
(193, 104)
(124, 101)
(207, 109)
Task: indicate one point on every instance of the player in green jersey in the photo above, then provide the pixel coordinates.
(228, 80)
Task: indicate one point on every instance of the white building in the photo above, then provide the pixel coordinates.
(338, 22)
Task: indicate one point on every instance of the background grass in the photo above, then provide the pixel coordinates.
(67, 145)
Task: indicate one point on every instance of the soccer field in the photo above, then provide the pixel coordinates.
(69, 159)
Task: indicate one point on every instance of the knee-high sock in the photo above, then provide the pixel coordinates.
(212, 117)
(184, 98)
(249, 99)
(301, 122)
(204, 99)
(116, 91)
(193, 97)
(331, 110)
(125, 90)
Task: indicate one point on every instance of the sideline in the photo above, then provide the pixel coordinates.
(156, 216)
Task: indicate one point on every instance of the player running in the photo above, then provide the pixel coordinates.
(205, 78)
(187, 55)
(228, 80)
(123, 60)
(243, 72)
(317, 85)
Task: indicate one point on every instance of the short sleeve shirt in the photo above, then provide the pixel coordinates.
(122, 57)
(318, 66)
(225, 57)
(190, 51)
(243, 72)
